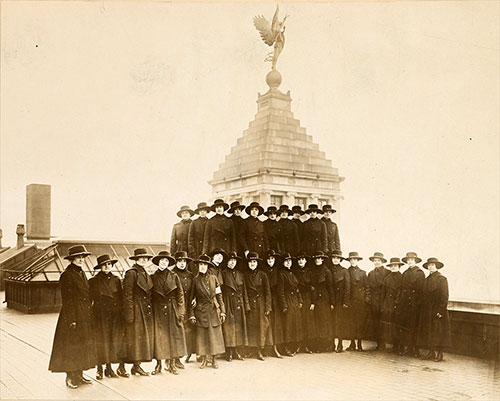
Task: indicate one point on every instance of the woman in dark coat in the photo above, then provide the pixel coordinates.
(186, 278)
(209, 313)
(234, 294)
(290, 302)
(271, 269)
(314, 235)
(341, 281)
(73, 350)
(179, 240)
(374, 282)
(219, 258)
(107, 297)
(434, 326)
(304, 276)
(391, 293)
(289, 234)
(360, 298)
(197, 231)
(322, 302)
(138, 312)
(169, 311)
(219, 231)
(253, 235)
(235, 210)
(259, 298)
(272, 228)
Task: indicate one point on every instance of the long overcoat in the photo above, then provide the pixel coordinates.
(179, 237)
(74, 348)
(235, 296)
(304, 278)
(138, 314)
(259, 298)
(219, 233)
(290, 302)
(238, 224)
(300, 226)
(195, 237)
(169, 311)
(391, 293)
(107, 297)
(276, 315)
(289, 237)
(314, 236)
(332, 235)
(273, 232)
(341, 296)
(322, 298)
(434, 331)
(186, 279)
(360, 297)
(253, 236)
(409, 304)
(374, 281)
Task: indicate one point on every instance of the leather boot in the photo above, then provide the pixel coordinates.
(260, 357)
(352, 346)
(178, 364)
(109, 372)
(360, 346)
(98, 375)
(439, 356)
(276, 353)
(158, 367)
(70, 380)
(136, 369)
(229, 355)
(203, 362)
(172, 367)
(214, 363)
(408, 351)
(340, 347)
(429, 355)
(82, 379)
(187, 358)
(237, 356)
(121, 371)
(416, 352)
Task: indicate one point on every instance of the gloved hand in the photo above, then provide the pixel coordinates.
(72, 325)
(311, 307)
(222, 317)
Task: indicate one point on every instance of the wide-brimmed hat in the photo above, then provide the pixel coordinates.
(140, 253)
(395, 261)
(202, 206)
(163, 255)
(439, 264)
(336, 254)
(256, 205)
(284, 208)
(411, 255)
(219, 250)
(286, 256)
(204, 259)
(219, 202)
(104, 259)
(272, 253)
(253, 256)
(271, 210)
(378, 255)
(235, 205)
(77, 250)
(297, 209)
(182, 255)
(233, 255)
(302, 254)
(184, 208)
(328, 208)
(313, 208)
(353, 255)
(319, 254)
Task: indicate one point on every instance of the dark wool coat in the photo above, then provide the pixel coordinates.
(74, 348)
(254, 237)
(179, 237)
(322, 298)
(332, 235)
(360, 297)
(259, 298)
(109, 327)
(289, 237)
(238, 224)
(169, 311)
(409, 304)
(273, 232)
(433, 331)
(276, 327)
(219, 233)
(300, 227)
(234, 294)
(195, 237)
(342, 296)
(374, 282)
(138, 314)
(304, 278)
(391, 293)
(290, 302)
(217, 272)
(186, 279)
(314, 236)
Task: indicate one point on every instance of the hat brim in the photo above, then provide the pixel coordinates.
(384, 260)
(417, 259)
(271, 212)
(395, 263)
(146, 255)
(308, 211)
(257, 259)
(198, 261)
(179, 213)
(221, 251)
(337, 256)
(248, 208)
(197, 211)
(84, 254)
(225, 205)
(157, 258)
(112, 261)
(232, 209)
(186, 258)
(439, 265)
(354, 257)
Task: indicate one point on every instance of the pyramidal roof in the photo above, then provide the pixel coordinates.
(275, 143)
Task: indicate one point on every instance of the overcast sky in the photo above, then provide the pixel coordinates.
(126, 109)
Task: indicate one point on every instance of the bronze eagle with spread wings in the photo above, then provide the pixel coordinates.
(272, 33)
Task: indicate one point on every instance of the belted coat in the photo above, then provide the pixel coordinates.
(219, 233)
(253, 236)
(179, 237)
(259, 299)
(314, 236)
(195, 237)
(273, 232)
(289, 237)
(290, 302)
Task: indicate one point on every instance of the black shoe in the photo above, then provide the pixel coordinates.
(439, 356)
(109, 372)
(98, 375)
(260, 357)
(136, 369)
(157, 369)
(307, 350)
(83, 380)
(122, 372)
(360, 347)
(416, 353)
(70, 383)
(178, 364)
(203, 362)
(172, 368)
(214, 363)
(237, 356)
(229, 355)
(408, 351)
(429, 355)
(276, 353)
(339, 349)
(352, 346)
(187, 359)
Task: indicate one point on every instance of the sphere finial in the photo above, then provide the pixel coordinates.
(273, 78)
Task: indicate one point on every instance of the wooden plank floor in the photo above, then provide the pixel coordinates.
(26, 343)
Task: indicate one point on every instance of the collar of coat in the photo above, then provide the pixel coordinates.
(144, 281)
(164, 282)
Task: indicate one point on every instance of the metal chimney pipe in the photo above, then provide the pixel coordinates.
(20, 231)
